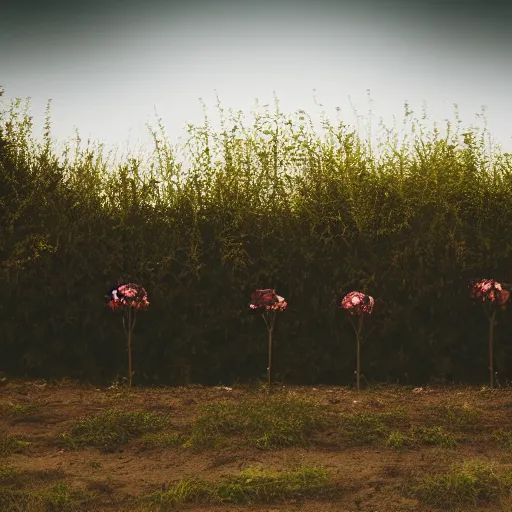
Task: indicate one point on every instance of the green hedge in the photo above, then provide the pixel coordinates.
(270, 205)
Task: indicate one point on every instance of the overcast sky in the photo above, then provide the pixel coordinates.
(107, 65)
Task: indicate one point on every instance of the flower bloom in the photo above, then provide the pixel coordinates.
(489, 290)
(267, 300)
(357, 303)
(128, 296)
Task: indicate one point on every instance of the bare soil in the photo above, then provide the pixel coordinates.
(366, 478)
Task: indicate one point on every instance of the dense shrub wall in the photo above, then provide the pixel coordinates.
(270, 205)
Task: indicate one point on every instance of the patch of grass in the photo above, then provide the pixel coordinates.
(473, 482)
(456, 417)
(380, 387)
(111, 429)
(10, 444)
(60, 497)
(433, 436)
(503, 438)
(94, 464)
(10, 476)
(250, 486)
(21, 491)
(436, 436)
(399, 441)
(271, 422)
(253, 386)
(394, 416)
(188, 490)
(362, 428)
(14, 500)
(7, 474)
(258, 486)
(163, 439)
(151, 508)
(21, 412)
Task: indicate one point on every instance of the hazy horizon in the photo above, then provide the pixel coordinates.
(108, 67)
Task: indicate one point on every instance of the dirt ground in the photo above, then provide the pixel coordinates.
(368, 478)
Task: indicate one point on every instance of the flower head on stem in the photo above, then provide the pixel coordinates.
(128, 298)
(490, 292)
(267, 302)
(357, 304)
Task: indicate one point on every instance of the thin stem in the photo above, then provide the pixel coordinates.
(358, 369)
(491, 336)
(270, 327)
(130, 330)
(269, 359)
(358, 331)
(265, 319)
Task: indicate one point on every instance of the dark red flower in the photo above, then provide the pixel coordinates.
(128, 296)
(267, 300)
(489, 290)
(357, 303)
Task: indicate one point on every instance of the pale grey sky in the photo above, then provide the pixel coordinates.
(106, 69)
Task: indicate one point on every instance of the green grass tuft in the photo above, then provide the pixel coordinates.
(399, 441)
(112, 429)
(10, 444)
(21, 412)
(436, 436)
(251, 486)
(362, 428)
(456, 417)
(471, 483)
(57, 498)
(503, 438)
(268, 423)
